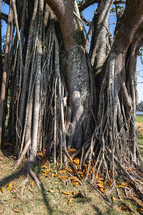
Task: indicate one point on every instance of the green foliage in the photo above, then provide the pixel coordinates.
(79, 2)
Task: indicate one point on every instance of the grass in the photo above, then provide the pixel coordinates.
(140, 133)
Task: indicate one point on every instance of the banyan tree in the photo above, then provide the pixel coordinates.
(65, 87)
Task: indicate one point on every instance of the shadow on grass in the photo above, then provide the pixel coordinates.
(23, 171)
(97, 210)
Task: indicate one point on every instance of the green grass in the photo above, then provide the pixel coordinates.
(139, 119)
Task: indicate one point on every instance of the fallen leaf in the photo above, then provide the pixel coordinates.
(1, 189)
(62, 176)
(65, 193)
(96, 176)
(32, 183)
(120, 186)
(101, 179)
(16, 211)
(63, 171)
(40, 154)
(30, 190)
(100, 185)
(56, 182)
(71, 150)
(10, 187)
(51, 191)
(70, 200)
(75, 183)
(74, 192)
(113, 199)
(76, 161)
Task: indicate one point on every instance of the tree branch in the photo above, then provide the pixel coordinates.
(4, 17)
(7, 1)
(87, 3)
(58, 7)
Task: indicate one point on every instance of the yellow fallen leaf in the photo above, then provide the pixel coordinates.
(113, 199)
(51, 191)
(96, 176)
(62, 176)
(63, 171)
(20, 177)
(16, 211)
(72, 150)
(120, 186)
(31, 190)
(65, 193)
(74, 192)
(56, 182)
(46, 170)
(32, 183)
(44, 166)
(101, 179)
(1, 189)
(76, 161)
(100, 185)
(40, 154)
(45, 174)
(70, 200)
(10, 187)
(75, 183)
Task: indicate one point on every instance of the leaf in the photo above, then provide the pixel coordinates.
(72, 150)
(75, 183)
(140, 209)
(44, 166)
(101, 179)
(76, 161)
(96, 176)
(40, 154)
(45, 174)
(1, 189)
(16, 211)
(70, 200)
(56, 182)
(30, 190)
(74, 192)
(46, 170)
(127, 170)
(120, 186)
(100, 185)
(113, 199)
(10, 187)
(32, 183)
(65, 193)
(51, 191)
(62, 177)
(63, 171)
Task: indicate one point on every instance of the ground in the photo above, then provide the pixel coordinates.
(60, 193)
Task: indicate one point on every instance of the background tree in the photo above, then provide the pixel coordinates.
(68, 92)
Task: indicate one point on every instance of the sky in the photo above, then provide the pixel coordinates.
(88, 13)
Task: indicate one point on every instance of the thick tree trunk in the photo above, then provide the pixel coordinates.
(77, 73)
